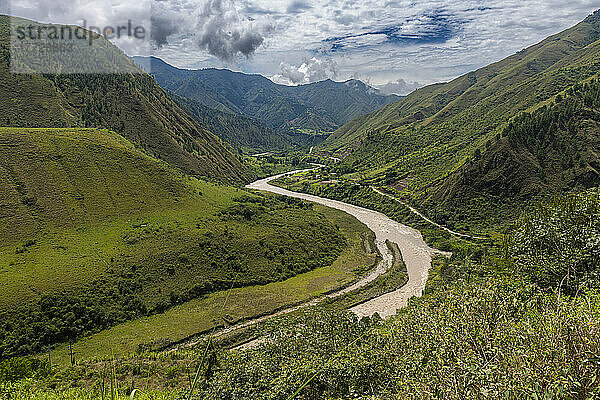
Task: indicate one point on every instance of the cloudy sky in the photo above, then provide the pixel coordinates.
(394, 45)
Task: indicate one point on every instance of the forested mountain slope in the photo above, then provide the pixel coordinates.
(553, 149)
(129, 102)
(244, 133)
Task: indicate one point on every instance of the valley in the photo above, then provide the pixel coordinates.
(206, 233)
(428, 146)
(285, 116)
(142, 237)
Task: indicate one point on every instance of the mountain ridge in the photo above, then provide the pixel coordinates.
(257, 96)
(419, 142)
(244, 133)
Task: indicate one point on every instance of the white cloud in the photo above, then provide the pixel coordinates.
(312, 70)
(282, 35)
(485, 32)
(400, 87)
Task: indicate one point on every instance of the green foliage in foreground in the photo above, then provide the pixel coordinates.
(483, 338)
(19, 368)
(561, 243)
(491, 339)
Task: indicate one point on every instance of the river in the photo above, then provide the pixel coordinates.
(416, 253)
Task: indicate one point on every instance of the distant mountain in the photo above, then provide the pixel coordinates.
(426, 142)
(130, 103)
(321, 106)
(244, 133)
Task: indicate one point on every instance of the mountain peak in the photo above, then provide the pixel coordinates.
(356, 83)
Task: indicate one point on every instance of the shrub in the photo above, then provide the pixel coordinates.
(18, 368)
(559, 243)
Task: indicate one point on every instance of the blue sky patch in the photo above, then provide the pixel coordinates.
(431, 28)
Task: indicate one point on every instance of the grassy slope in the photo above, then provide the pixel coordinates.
(436, 129)
(53, 178)
(311, 121)
(84, 212)
(129, 103)
(204, 313)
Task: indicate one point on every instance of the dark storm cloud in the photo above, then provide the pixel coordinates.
(224, 34)
(215, 26)
(162, 27)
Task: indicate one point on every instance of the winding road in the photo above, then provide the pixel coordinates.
(415, 211)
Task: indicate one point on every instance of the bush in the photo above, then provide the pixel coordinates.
(18, 368)
(559, 244)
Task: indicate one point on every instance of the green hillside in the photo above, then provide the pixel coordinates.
(95, 233)
(496, 326)
(419, 141)
(130, 103)
(279, 107)
(553, 149)
(343, 101)
(54, 178)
